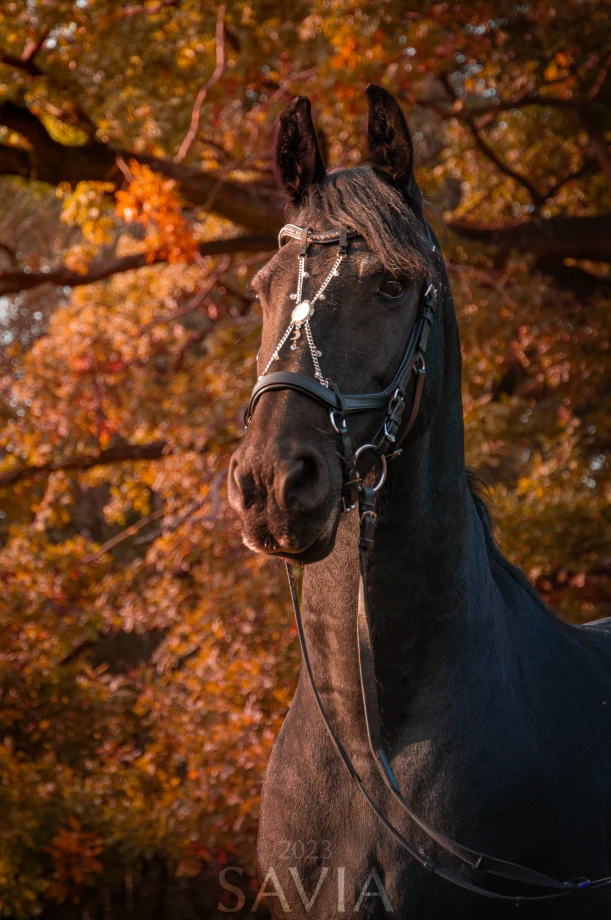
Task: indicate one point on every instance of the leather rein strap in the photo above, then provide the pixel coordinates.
(389, 438)
(369, 694)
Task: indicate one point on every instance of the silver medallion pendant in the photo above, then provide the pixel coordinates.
(302, 312)
(300, 320)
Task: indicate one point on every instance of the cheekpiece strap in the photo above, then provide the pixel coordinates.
(303, 242)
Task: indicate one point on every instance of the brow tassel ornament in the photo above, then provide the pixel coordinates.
(300, 319)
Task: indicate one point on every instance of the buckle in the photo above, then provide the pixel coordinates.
(350, 490)
(397, 397)
(388, 434)
(577, 884)
(367, 530)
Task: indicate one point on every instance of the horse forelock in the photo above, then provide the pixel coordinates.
(362, 200)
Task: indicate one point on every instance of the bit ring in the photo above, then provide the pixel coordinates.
(381, 457)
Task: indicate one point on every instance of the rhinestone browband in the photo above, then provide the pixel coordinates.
(314, 236)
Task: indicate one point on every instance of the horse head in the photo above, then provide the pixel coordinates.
(343, 305)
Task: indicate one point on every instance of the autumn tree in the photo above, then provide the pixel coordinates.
(147, 659)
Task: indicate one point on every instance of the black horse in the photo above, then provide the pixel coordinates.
(496, 715)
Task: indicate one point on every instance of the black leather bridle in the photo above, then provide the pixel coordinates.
(386, 444)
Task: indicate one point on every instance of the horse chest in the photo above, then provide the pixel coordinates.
(323, 853)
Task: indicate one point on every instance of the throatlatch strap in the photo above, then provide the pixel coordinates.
(420, 377)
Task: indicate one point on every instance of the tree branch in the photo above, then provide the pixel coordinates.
(534, 193)
(599, 147)
(111, 455)
(15, 280)
(48, 160)
(487, 112)
(537, 198)
(457, 109)
(210, 82)
(130, 11)
(572, 278)
(562, 237)
(14, 161)
(195, 302)
(257, 205)
(23, 120)
(26, 61)
(10, 253)
(589, 164)
(599, 81)
(18, 63)
(213, 497)
(124, 535)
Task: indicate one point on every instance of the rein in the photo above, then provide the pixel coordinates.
(385, 445)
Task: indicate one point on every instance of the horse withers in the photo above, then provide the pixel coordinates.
(451, 758)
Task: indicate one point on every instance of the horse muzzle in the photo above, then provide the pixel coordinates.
(287, 500)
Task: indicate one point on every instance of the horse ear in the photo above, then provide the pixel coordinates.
(389, 140)
(298, 160)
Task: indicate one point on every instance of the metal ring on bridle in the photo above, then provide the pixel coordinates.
(381, 457)
(333, 422)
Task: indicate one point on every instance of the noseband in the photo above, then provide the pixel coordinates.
(384, 445)
(388, 439)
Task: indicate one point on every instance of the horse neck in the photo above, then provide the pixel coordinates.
(429, 580)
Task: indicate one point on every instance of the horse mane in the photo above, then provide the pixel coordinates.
(360, 199)
(480, 495)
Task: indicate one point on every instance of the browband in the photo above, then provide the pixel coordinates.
(313, 236)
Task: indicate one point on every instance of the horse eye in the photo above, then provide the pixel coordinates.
(391, 288)
(252, 295)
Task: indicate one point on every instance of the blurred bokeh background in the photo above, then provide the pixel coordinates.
(146, 659)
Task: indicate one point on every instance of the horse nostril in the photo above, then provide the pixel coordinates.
(302, 483)
(242, 487)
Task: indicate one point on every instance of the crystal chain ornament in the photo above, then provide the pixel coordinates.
(300, 319)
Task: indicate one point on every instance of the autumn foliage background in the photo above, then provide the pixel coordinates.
(146, 659)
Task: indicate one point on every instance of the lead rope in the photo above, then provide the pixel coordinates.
(474, 859)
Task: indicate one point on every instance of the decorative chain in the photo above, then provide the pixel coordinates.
(300, 318)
